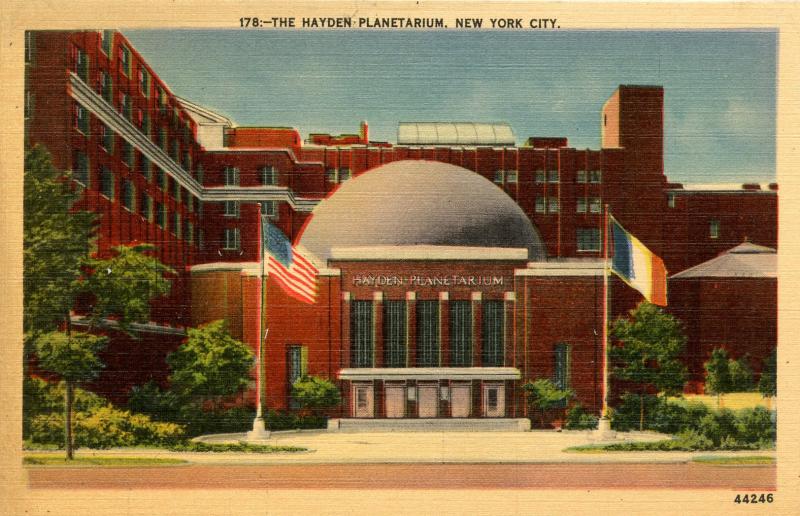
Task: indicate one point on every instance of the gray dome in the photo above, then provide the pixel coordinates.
(415, 202)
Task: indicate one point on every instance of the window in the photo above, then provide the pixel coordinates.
(427, 333)
(493, 333)
(186, 161)
(107, 183)
(540, 176)
(144, 122)
(162, 100)
(394, 329)
(561, 366)
(146, 207)
(161, 215)
(107, 139)
(270, 208)
(106, 88)
(161, 178)
(232, 208)
(552, 205)
(80, 168)
(81, 64)
(175, 151)
(671, 200)
(297, 367)
(129, 195)
(127, 153)
(231, 176)
(269, 176)
(460, 333)
(125, 105)
(713, 229)
(162, 138)
(144, 166)
(580, 206)
(332, 175)
(588, 239)
(541, 204)
(491, 399)
(552, 176)
(580, 176)
(81, 119)
(595, 205)
(144, 82)
(105, 41)
(125, 60)
(511, 176)
(176, 224)
(361, 334)
(189, 232)
(344, 174)
(232, 239)
(174, 189)
(595, 176)
(499, 177)
(189, 202)
(200, 173)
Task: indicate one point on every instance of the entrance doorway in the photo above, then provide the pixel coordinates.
(460, 399)
(363, 400)
(395, 401)
(494, 400)
(428, 400)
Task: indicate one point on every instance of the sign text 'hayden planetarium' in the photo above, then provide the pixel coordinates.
(383, 280)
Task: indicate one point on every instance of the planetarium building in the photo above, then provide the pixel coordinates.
(435, 301)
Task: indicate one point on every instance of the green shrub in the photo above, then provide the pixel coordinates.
(719, 426)
(579, 419)
(151, 400)
(40, 397)
(316, 394)
(289, 421)
(105, 427)
(756, 424)
(625, 416)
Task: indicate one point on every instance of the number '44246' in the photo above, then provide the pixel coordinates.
(753, 498)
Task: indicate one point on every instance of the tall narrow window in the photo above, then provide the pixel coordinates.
(269, 176)
(580, 176)
(80, 168)
(176, 224)
(125, 60)
(81, 64)
(671, 200)
(231, 176)
(580, 206)
(144, 82)
(361, 334)
(499, 177)
(595, 205)
(541, 204)
(106, 88)
(81, 119)
(493, 333)
(713, 229)
(428, 333)
(297, 367)
(129, 195)
(127, 153)
(146, 207)
(107, 138)
(144, 166)
(552, 176)
(232, 239)
(394, 328)
(595, 176)
(552, 205)
(105, 41)
(232, 208)
(511, 176)
(107, 183)
(189, 232)
(271, 209)
(161, 215)
(460, 333)
(540, 176)
(561, 366)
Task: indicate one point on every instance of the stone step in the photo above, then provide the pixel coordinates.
(430, 425)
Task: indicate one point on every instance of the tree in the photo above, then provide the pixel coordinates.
(316, 394)
(57, 268)
(56, 241)
(647, 353)
(210, 364)
(123, 284)
(724, 375)
(767, 384)
(72, 356)
(543, 395)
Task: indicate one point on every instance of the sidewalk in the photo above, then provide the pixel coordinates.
(427, 447)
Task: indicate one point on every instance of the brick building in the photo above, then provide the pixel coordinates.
(164, 170)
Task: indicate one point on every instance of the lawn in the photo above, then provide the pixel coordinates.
(733, 401)
(60, 460)
(736, 460)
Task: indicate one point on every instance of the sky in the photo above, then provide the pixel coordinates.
(720, 87)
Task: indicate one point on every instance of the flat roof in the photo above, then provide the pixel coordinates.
(455, 133)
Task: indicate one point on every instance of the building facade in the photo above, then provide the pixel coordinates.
(163, 170)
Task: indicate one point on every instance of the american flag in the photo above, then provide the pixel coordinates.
(291, 270)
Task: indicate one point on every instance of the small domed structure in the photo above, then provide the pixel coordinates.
(407, 203)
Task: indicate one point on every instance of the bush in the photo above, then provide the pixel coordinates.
(719, 426)
(289, 421)
(151, 400)
(316, 394)
(42, 398)
(756, 425)
(625, 416)
(579, 419)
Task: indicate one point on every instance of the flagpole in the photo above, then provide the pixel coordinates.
(604, 424)
(260, 431)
